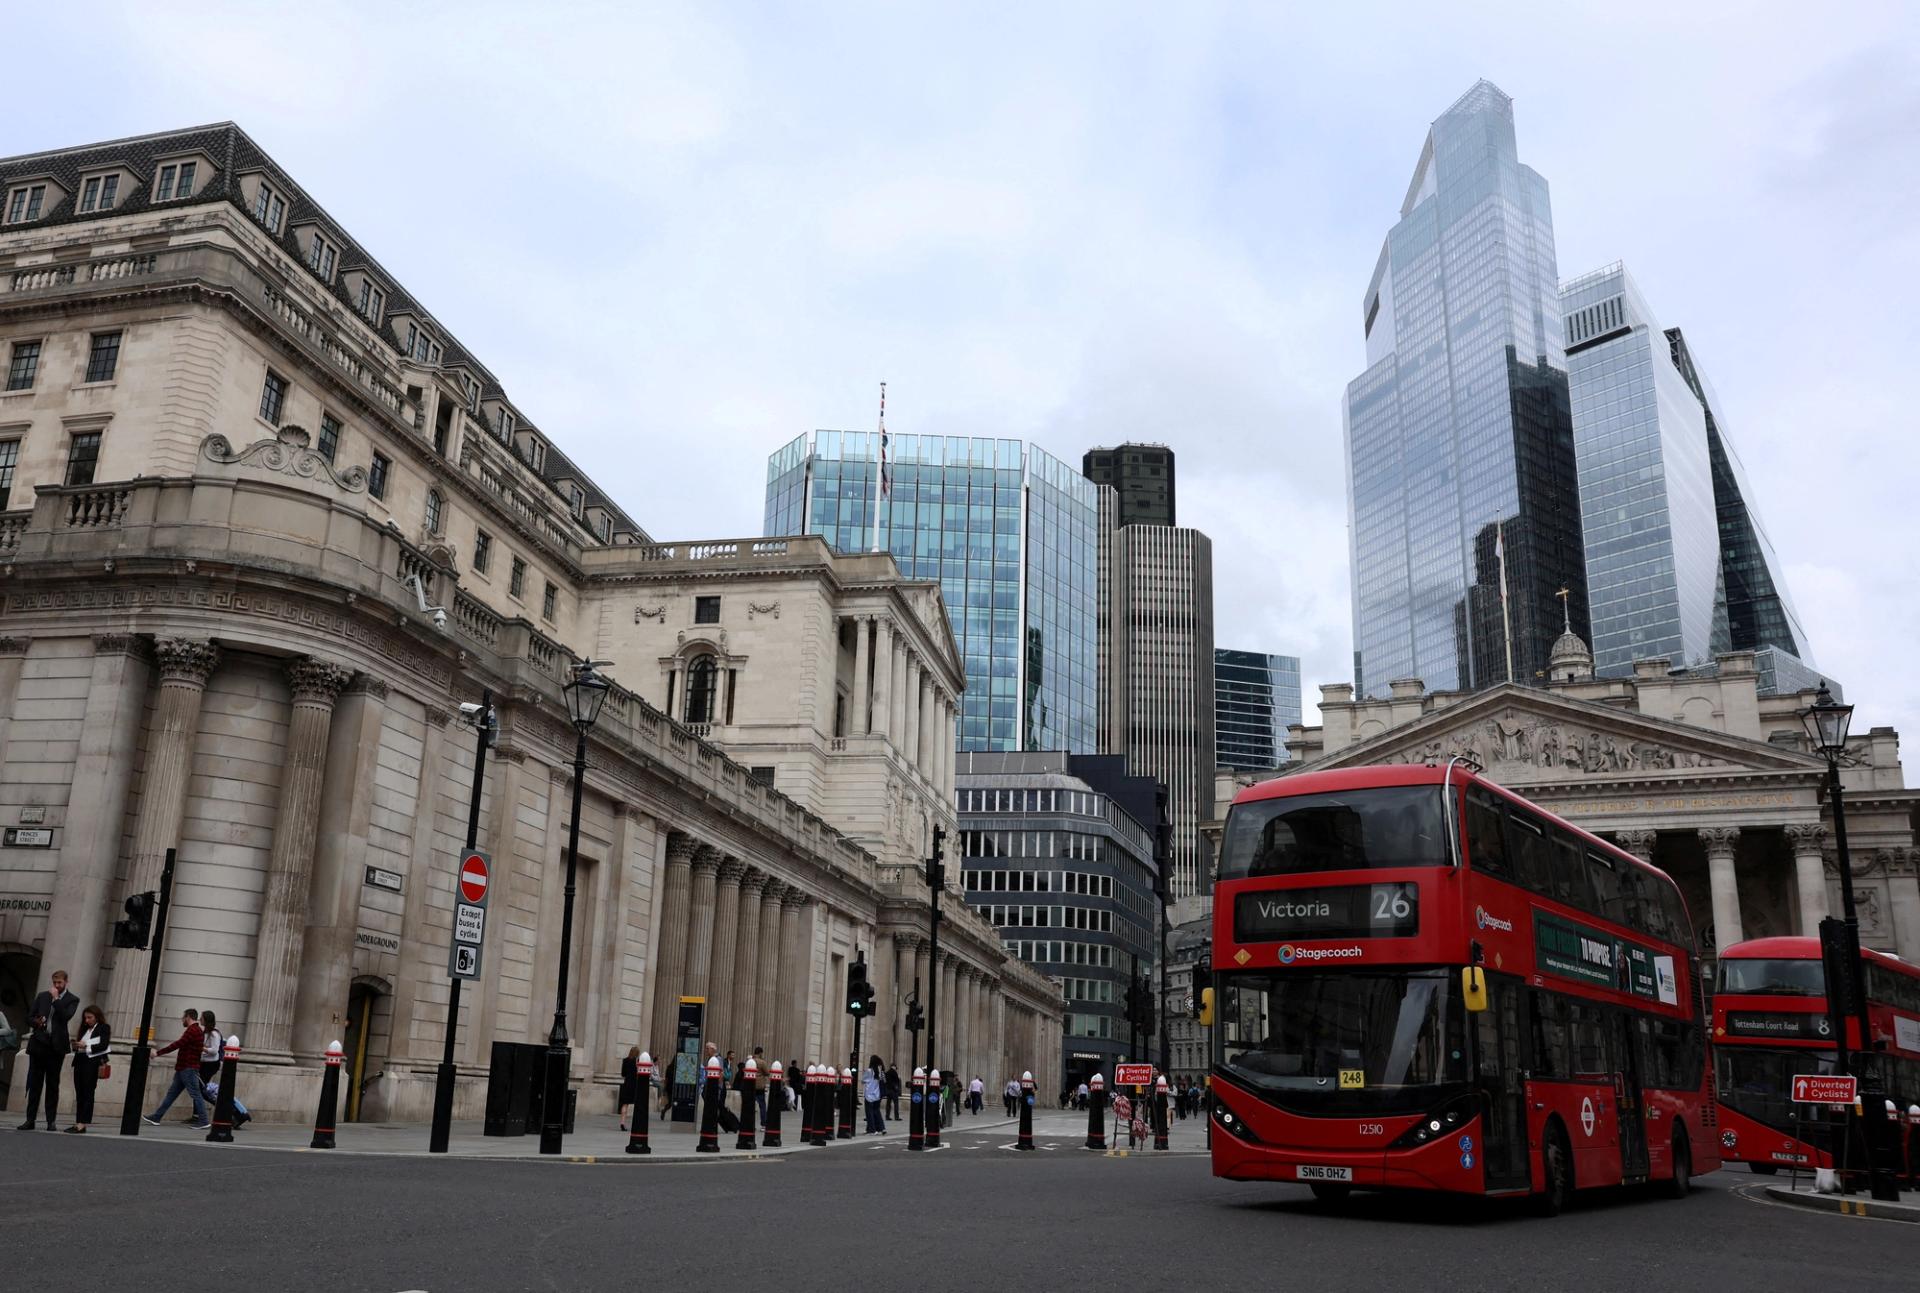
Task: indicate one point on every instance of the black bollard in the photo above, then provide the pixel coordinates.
(776, 1096)
(808, 1087)
(710, 1112)
(822, 1105)
(324, 1117)
(845, 1103)
(917, 1111)
(1160, 1113)
(642, 1098)
(222, 1129)
(1026, 1112)
(1096, 1112)
(747, 1089)
(936, 1103)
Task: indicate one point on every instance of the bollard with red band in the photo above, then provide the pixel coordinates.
(642, 1099)
(917, 1112)
(1096, 1112)
(329, 1111)
(809, 1098)
(710, 1110)
(823, 1086)
(749, 1085)
(936, 1100)
(776, 1097)
(222, 1130)
(1026, 1112)
(1160, 1112)
(844, 1106)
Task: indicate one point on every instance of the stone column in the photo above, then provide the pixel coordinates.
(883, 677)
(670, 961)
(1720, 842)
(706, 876)
(766, 981)
(957, 1054)
(923, 756)
(885, 978)
(185, 666)
(897, 721)
(96, 803)
(910, 706)
(747, 1026)
(277, 950)
(796, 967)
(949, 1011)
(726, 934)
(859, 724)
(339, 848)
(1809, 843)
(1638, 843)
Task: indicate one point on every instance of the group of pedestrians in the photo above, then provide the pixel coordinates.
(50, 1039)
(196, 1070)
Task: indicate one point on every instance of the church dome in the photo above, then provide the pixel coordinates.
(1570, 659)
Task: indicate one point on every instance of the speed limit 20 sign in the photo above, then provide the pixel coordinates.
(472, 881)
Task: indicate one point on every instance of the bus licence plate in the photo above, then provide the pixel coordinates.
(1307, 1172)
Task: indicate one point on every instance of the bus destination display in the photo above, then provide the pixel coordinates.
(1340, 911)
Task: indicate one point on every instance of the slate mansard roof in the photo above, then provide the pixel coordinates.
(234, 155)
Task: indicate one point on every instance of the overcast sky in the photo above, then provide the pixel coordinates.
(682, 235)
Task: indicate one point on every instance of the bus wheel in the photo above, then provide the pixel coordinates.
(1331, 1193)
(1557, 1160)
(1682, 1182)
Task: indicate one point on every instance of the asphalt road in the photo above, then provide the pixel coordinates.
(99, 1212)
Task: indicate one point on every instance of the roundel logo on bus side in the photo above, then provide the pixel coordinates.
(1586, 1115)
(1286, 953)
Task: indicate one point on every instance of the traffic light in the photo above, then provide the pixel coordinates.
(137, 928)
(859, 991)
(916, 1019)
(1206, 1007)
(936, 872)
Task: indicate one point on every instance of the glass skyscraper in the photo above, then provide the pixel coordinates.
(1256, 697)
(1011, 533)
(1678, 563)
(1463, 505)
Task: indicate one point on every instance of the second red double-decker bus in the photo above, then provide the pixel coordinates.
(1770, 1025)
(1425, 982)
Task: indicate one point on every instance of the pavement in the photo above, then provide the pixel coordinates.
(971, 1217)
(1850, 1205)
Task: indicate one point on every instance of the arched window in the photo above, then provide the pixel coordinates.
(702, 689)
(435, 507)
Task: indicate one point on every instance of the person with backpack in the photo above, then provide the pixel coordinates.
(871, 1086)
(212, 1041)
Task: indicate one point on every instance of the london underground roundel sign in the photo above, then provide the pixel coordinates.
(473, 878)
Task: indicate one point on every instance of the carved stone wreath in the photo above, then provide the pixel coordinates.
(649, 613)
(755, 608)
(287, 454)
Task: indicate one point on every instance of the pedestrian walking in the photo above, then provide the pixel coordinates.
(871, 1086)
(186, 1072)
(629, 1083)
(1010, 1097)
(1080, 1096)
(761, 1083)
(90, 1051)
(953, 1100)
(212, 1040)
(49, 1038)
(891, 1090)
(976, 1093)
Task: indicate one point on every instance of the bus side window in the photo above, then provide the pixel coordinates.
(1551, 1057)
(1486, 838)
(1609, 894)
(1570, 874)
(1531, 851)
(1587, 1026)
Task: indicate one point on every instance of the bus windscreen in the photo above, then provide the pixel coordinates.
(1393, 826)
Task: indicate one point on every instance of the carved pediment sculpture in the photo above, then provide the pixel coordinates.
(287, 453)
(1520, 742)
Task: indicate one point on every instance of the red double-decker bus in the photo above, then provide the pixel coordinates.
(1425, 982)
(1770, 1024)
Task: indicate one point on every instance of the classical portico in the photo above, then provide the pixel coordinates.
(1697, 772)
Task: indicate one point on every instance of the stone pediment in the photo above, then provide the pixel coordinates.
(1525, 736)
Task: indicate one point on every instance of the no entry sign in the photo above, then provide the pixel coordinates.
(1826, 1088)
(473, 877)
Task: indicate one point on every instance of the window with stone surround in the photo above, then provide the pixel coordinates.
(26, 202)
(269, 208)
(24, 367)
(517, 579)
(273, 398)
(103, 356)
(377, 473)
(549, 601)
(329, 444)
(482, 551)
(706, 610)
(99, 192)
(436, 511)
(176, 181)
(83, 456)
(9, 459)
(703, 680)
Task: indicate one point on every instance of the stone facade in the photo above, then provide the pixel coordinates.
(1696, 771)
(313, 528)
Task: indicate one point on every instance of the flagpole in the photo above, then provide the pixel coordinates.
(1506, 619)
(880, 469)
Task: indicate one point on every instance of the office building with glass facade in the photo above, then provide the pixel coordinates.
(1678, 564)
(1256, 697)
(1463, 504)
(1011, 533)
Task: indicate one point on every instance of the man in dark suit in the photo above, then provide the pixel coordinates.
(49, 1038)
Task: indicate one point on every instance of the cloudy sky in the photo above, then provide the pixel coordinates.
(683, 234)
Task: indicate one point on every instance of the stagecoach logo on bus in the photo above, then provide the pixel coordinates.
(1289, 953)
(1487, 920)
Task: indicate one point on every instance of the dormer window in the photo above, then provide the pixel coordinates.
(576, 500)
(373, 302)
(321, 256)
(269, 207)
(606, 528)
(176, 181)
(25, 203)
(503, 424)
(421, 346)
(472, 388)
(99, 193)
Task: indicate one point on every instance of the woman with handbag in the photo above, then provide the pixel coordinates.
(90, 1054)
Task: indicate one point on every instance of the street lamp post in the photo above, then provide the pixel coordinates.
(1827, 721)
(585, 695)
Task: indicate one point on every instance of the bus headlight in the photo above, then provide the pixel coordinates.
(1444, 1121)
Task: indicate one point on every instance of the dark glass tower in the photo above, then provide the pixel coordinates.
(1142, 474)
(1462, 496)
